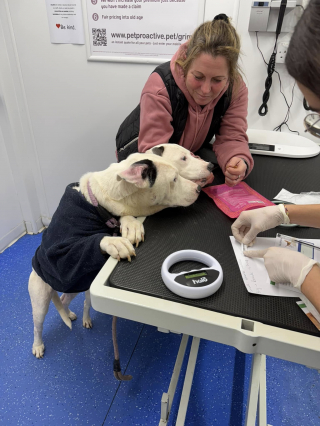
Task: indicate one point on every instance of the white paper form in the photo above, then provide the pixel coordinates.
(254, 273)
(65, 21)
(302, 198)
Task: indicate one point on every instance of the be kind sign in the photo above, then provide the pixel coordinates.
(65, 21)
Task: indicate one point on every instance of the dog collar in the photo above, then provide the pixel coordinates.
(110, 220)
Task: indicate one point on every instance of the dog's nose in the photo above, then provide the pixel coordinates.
(210, 167)
(199, 189)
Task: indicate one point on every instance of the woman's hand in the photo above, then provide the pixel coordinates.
(235, 171)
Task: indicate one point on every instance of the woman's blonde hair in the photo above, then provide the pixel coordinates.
(216, 38)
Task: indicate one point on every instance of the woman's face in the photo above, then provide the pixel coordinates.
(206, 78)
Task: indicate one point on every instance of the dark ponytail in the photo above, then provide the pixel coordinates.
(303, 56)
(221, 17)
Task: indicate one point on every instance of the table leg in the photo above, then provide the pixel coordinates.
(263, 393)
(167, 397)
(257, 381)
(188, 382)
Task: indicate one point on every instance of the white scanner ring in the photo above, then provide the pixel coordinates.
(194, 284)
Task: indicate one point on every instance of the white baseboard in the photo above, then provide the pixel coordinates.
(38, 224)
(12, 236)
(45, 220)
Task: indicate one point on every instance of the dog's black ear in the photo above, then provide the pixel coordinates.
(158, 150)
(142, 173)
(149, 172)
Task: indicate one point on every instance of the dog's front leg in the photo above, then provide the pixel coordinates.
(66, 299)
(40, 295)
(132, 229)
(86, 321)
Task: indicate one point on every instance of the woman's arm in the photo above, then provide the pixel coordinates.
(155, 114)
(232, 140)
(311, 287)
(306, 215)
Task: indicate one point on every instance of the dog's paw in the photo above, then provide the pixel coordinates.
(38, 351)
(72, 315)
(117, 247)
(86, 322)
(132, 229)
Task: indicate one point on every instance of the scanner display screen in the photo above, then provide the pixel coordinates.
(261, 147)
(199, 278)
(196, 275)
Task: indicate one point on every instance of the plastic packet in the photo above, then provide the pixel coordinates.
(234, 200)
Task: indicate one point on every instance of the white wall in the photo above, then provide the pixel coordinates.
(69, 109)
(11, 220)
(75, 106)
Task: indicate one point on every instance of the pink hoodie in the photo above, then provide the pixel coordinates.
(156, 115)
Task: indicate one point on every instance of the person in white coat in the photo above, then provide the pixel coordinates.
(303, 64)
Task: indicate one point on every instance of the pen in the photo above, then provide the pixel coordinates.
(286, 237)
(236, 166)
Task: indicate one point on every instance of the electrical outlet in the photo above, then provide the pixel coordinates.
(282, 48)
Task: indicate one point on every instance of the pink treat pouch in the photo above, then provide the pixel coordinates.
(233, 201)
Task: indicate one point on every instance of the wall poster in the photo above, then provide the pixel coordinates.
(147, 31)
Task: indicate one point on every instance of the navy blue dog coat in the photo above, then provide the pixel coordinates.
(69, 257)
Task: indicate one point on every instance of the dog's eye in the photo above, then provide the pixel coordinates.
(175, 179)
(184, 158)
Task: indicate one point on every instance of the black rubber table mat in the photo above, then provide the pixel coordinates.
(204, 227)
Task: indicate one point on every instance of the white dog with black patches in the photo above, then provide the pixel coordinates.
(189, 166)
(77, 242)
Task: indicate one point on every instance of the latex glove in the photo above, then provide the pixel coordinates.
(283, 265)
(250, 223)
(235, 171)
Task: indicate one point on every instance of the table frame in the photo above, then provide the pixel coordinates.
(251, 337)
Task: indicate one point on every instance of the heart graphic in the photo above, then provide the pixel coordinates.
(58, 25)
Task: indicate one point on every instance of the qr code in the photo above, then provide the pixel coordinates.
(99, 37)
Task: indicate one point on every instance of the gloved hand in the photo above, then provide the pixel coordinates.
(283, 265)
(250, 223)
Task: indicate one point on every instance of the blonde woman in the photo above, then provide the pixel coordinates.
(197, 95)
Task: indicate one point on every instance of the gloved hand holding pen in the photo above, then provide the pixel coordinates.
(250, 223)
(283, 265)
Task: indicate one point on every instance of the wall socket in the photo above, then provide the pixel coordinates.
(282, 48)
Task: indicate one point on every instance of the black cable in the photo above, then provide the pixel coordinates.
(263, 110)
(300, 5)
(285, 121)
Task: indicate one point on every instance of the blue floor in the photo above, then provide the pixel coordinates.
(74, 385)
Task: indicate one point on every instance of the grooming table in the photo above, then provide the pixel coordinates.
(258, 325)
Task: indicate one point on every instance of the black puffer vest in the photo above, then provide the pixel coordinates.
(128, 133)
